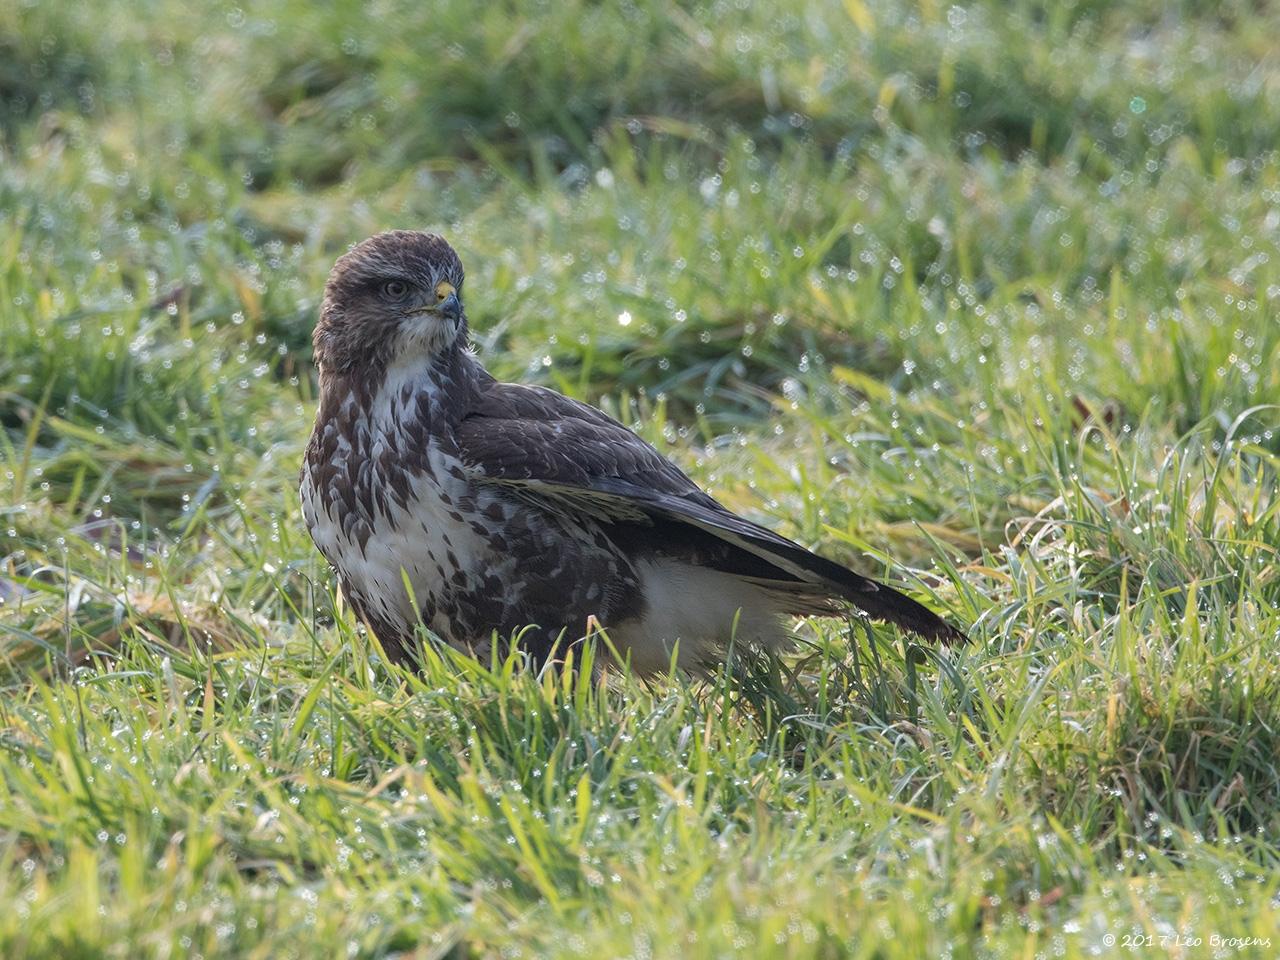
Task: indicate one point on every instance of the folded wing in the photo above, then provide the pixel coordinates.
(568, 456)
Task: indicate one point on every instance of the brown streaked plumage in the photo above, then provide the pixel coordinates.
(442, 496)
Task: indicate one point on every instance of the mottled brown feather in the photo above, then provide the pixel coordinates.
(508, 505)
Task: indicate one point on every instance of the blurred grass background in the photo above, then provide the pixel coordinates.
(986, 289)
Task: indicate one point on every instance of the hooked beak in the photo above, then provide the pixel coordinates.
(451, 307)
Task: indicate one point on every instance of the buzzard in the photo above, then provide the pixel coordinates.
(484, 510)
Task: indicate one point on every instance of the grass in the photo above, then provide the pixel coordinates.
(981, 300)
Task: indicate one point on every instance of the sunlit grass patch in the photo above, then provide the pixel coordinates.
(976, 299)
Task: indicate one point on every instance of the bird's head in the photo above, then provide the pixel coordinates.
(396, 296)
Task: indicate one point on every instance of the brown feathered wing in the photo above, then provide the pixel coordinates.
(567, 456)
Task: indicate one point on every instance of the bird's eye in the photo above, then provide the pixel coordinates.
(395, 289)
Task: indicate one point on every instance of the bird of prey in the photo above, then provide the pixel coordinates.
(488, 510)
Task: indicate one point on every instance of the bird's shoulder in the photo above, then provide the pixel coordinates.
(498, 400)
(518, 432)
